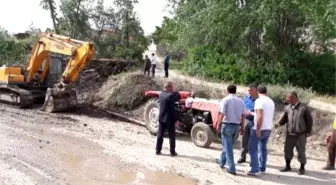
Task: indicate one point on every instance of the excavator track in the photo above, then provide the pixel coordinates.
(56, 100)
(14, 95)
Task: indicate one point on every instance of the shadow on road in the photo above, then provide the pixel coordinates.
(297, 180)
(282, 155)
(316, 177)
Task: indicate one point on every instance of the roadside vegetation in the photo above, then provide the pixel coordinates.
(289, 45)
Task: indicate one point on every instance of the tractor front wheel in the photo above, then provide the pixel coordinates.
(201, 135)
(152, 116)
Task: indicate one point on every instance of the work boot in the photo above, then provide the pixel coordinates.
(287, 168)
(301, 170)
(173, 154)
(241, 160)
(328, 168)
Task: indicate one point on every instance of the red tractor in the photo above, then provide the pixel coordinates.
(198, 117)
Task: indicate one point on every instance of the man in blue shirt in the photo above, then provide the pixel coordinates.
(249, 106)
(166, 64)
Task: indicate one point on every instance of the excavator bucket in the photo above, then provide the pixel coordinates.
(59, 100)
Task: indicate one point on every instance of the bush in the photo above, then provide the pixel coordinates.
(316, 72)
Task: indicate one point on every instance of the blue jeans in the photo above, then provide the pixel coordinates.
(258, 165)
(230, 133)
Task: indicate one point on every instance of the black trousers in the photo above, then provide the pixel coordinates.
(153, 69)
(246, 136)
(146, 71)
(299, 142)
(170, 127)
(166, 67)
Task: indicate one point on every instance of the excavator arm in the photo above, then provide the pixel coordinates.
(81, 54)
(62, 96)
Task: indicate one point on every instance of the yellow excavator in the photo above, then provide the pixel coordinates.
(22, 86)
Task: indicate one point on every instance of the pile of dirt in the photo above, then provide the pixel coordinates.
(130, 94)
(125, 92)
(96, 73)
(108, 67)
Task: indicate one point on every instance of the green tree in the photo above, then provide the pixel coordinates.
(51, 6)
(75, 18)
(264, 41)
(12, 50)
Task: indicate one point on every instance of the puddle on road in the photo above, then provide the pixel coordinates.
(161, 178)
(85, 164)
(151, 178)
(91, 172)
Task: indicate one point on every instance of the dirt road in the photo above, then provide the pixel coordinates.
(79, 149)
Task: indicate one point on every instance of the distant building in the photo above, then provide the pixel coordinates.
(22, 35)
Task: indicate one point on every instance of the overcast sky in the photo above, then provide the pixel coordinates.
(18, 15)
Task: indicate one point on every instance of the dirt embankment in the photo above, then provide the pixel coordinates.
(96, 73)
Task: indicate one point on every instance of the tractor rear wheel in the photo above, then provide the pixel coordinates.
(151, 115)
(201, 135)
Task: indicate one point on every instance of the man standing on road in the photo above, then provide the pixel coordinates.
(299, 126)
(168, 117)
(249, 123)
(331, 140)
(230, 121)
(166, 64)
(263, 121)
(153, 63)
(147, 65)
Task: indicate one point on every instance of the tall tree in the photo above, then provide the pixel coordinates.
(240, 40)
(51, 6)
(126, 16)
(75, 19)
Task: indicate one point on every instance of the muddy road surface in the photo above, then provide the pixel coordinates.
(92, 148)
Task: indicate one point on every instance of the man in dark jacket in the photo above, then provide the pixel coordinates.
(299, 126)
(168, 117)
(166, 64)
(147, 65)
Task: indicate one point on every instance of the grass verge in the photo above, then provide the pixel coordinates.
(175, 65)
(276, 92)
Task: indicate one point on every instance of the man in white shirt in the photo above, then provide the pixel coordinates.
(153, 64)
(263, 122)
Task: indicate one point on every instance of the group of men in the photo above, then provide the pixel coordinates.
(257, 110)
(251, 117)
(150, 63)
